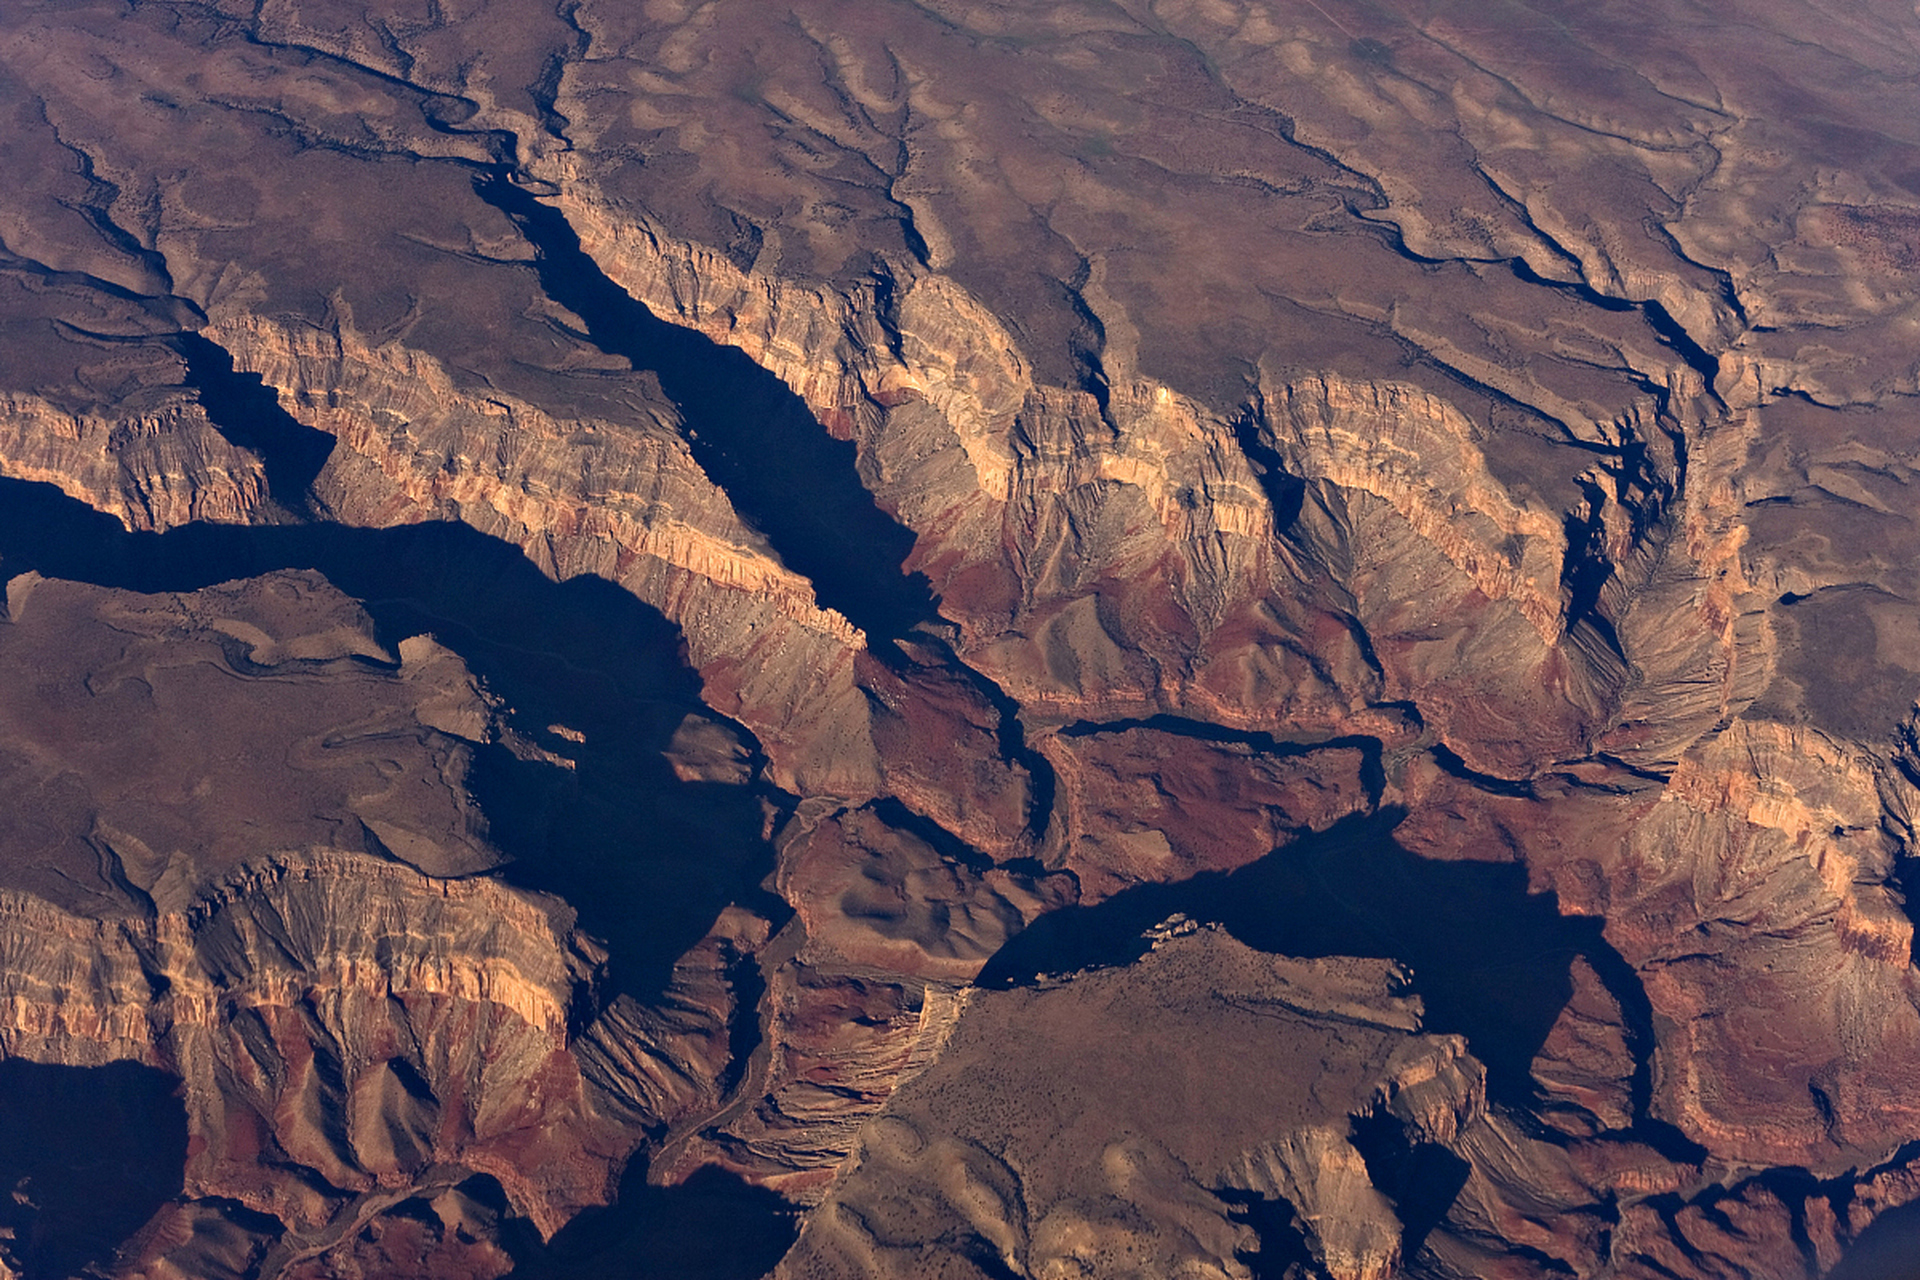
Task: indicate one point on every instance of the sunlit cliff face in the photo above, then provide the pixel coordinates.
(958, 639)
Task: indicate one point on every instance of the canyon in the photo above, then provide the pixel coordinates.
(958, 638)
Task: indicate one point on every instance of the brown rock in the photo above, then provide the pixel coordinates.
(1146, 806)
(841, 1044)
(253, 895)
(1037, 1140)
(873, 894)
(1552, 430)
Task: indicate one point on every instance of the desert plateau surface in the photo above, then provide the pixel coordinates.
(877, 639)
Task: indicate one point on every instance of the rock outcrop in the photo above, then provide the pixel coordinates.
(244, 854)
(1036, 1145)
(1429, 498)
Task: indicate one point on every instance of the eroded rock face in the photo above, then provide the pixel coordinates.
(1413, 489)
(108, 418)
(1144, 805)
(245, 854)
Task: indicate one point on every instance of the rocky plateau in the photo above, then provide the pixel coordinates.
(959, 638)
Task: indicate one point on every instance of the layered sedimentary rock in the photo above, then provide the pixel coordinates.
(840, 1045)
(610, 499)
(1414, 487)
(107, 417)
(242, 852)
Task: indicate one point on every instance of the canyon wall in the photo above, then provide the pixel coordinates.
(976, 639)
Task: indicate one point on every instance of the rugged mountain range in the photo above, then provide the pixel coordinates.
(967, 639)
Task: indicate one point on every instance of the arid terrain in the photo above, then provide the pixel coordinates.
(1230, 639)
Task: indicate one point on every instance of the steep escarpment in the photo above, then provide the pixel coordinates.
(615, 501)
(1635, 608)
(1038, 639)
(276, 926)
(1121, 554)
(152, 471)
(111, 423)
(310, 1034)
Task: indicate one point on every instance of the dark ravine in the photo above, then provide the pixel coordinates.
(249, 414)
(1691, 245)
(712, 1226)
(746, 1032)
(566, 654)
(1352, 890)
(740, 418)
(1286, 493)
(1010, 732)
(1885, 1250)
(1283, 1253)
(582, 654)
(1636, 1012)
(1453, 766)
(1421, 1178)
(820, 518)
(88, 1154)
(586, 655)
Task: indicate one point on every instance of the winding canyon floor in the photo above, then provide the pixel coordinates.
(895, 638)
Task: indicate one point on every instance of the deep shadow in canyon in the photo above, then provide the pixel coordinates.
(1421, 1178)
(1283, 1253)
(248, 413)
(87, 1155)
(647, 860)
(1489, 960)
(1889, 1249)
(756, 439)
(712, 1226)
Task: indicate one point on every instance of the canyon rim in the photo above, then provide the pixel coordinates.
(1118, 638)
